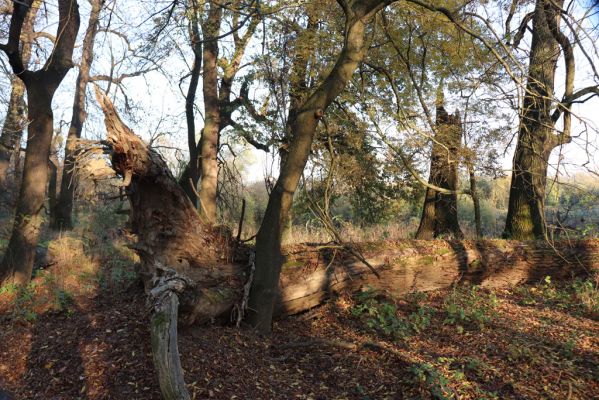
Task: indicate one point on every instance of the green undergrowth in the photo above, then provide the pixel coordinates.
(72, 267)
(580, 296)
(465, 308)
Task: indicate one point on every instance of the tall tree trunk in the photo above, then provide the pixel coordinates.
(536, 136)
(191, 175)
(302, 128)
(63, 218)
(440, 211)
(16, 115)
(209, 141)
(17, 263)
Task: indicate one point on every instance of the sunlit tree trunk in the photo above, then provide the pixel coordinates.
(302, 128)
(209, 140)
(536, 136)
(440, 210)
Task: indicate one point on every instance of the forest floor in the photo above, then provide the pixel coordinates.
(80, 331)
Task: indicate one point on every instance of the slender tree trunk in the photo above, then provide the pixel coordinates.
(191, 174)
(210, 134)
(302, 128)
(536, 136)
(475, 201)
(53, 185)
(41, 85)
(16, 116)
(63, 218)
(12, 128)
(440, 211)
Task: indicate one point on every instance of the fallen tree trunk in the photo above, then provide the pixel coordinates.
(168, 232)
(201, 268)
(311, 274)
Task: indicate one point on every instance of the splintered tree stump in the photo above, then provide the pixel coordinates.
(163, 328)
(189, 268)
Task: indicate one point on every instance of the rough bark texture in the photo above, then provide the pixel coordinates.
(536, 136)
(407, 266)
(163, 328)
(62, 218)
(166, 229)
(440, 211)
(210, 134)
(12, 129)
(191, 174)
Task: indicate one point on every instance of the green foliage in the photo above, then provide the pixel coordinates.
(384, 317)
(23, 303)
(437, 384)
(581, 295)
(469, 307)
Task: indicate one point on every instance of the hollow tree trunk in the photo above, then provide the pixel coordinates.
(17, 263)
(63, 218)
(536, 136)
(440, 211)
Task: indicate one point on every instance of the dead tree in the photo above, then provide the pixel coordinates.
(440, 211)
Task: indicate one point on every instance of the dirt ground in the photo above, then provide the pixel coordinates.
(523, 347)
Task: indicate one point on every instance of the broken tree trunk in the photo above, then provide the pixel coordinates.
(169, 233)
(165, 307)
(188, 263)
(167, 228)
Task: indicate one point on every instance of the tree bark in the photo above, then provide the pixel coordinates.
(12, 129)
(218, 104)
(440, 211)
(63, 211)
(17, 263)
(536, 136)
(475, 201)
(166, 229)
(163, 329)
(191, 175)
(210, 134)
(16, 115)
(302, 128)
